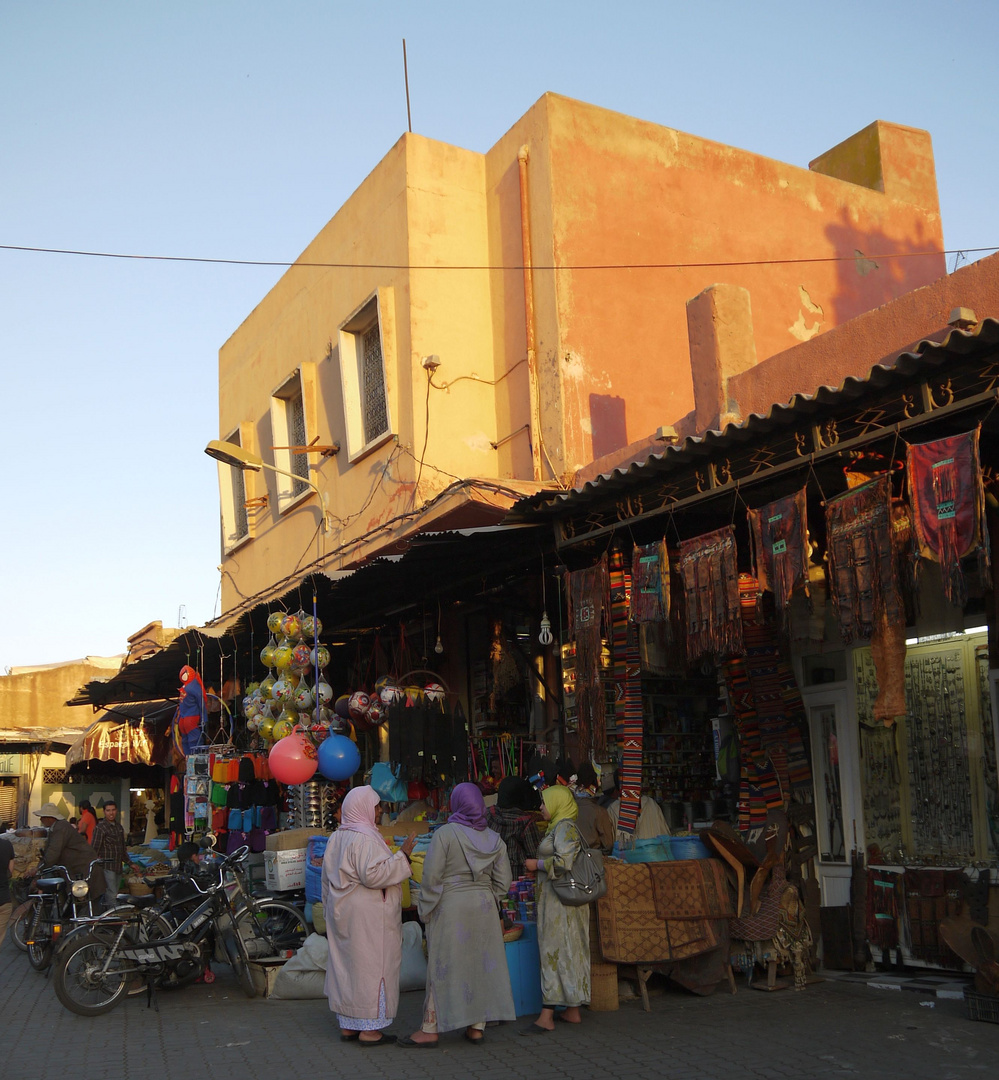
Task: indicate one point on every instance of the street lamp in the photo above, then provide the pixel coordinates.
(239, 458)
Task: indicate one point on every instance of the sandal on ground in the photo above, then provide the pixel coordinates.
(408, 1042)
(534, 1029)
(475, 1039)
(560, 1019)
(350, 1038)
(385, 1040)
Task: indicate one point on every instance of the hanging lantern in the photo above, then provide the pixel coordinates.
(545, 637)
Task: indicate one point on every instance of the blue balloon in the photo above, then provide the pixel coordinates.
(339, 758)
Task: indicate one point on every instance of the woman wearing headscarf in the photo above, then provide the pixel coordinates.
(563, 932)
(465, 872)
(513, 818)
(362, 902)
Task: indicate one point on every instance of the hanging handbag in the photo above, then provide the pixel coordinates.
(585, 880)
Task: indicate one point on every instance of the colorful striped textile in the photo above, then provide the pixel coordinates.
(628, 696)
(769, 716)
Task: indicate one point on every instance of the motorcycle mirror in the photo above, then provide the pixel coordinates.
(207, 842)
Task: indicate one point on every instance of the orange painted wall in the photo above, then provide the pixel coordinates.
(628, 192)
(875, 337)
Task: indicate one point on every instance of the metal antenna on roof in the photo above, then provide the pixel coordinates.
(405, 72)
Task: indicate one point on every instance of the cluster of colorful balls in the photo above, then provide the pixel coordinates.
(290, 708)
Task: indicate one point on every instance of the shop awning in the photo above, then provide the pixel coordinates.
(125, 743)
(35, 739)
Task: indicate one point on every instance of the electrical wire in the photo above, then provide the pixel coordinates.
(426, 438)
(281, 263)
(477, 378)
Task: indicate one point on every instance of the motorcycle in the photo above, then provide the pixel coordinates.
(58, 900)
(95, 972)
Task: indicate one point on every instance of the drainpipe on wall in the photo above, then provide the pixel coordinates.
(532, 361)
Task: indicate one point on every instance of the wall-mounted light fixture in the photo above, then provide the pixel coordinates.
(233, 454)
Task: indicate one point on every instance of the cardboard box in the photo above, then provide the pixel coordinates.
(285, 869)
(292, 839)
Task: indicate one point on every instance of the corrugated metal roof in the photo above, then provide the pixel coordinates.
(926, 357)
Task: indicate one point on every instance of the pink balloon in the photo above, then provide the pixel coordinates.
(293, 759)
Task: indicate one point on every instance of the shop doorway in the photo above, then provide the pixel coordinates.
(835, 767)
(8, 801)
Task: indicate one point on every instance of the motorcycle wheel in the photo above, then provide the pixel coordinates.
(236, 953)
(79, 984)
(273, 927)
(39, 941)
(20, 929)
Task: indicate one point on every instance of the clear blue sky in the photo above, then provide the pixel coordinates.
(235, 130)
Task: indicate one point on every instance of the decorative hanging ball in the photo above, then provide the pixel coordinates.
(374, 715)
(303, 698)
(339, 758)
(282, 729)
(253, 687)
(293, 760)
(282, 657)
(319, 732)
(251, 709)
(434, 693)
(358, 705)
(301, 658)
(274, 621)
(325, 692)
(311, 628)
(390, 694)
(252, 724)
(266, 727)
(267, 687)
(281, 691)
(319, 656)
(267, 654)
(326, 716)
(291, 627)
(341, 705)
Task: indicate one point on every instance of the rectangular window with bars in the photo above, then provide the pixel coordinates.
(364, 380)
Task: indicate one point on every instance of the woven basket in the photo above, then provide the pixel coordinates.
(137, 887)
(603, 987)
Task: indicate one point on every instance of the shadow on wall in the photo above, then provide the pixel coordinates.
(869, 279)
(608, 426)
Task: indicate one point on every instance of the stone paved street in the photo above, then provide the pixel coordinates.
(834, 1028)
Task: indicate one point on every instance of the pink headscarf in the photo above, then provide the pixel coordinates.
(357, 812)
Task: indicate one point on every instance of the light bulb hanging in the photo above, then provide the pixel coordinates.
(545, 636)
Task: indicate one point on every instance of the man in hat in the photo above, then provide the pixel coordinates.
(67, 847)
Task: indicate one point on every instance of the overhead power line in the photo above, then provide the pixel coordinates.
(492, 266)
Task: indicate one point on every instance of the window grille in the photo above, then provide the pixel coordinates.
(373, 396)
(297, 437)
(241, 523)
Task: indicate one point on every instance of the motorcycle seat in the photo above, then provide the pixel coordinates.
(49, 884)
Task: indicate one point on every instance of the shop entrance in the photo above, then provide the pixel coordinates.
(835, 768)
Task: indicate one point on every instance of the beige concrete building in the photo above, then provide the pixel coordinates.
(469, 326)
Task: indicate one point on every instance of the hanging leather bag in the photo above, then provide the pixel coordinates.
(586, 880)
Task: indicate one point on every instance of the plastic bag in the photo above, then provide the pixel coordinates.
(413, 971)
(387, 783)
